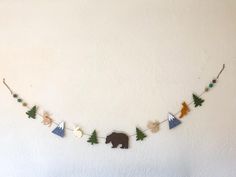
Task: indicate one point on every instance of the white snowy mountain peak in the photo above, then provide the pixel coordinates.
(171, 117)
(61, 125)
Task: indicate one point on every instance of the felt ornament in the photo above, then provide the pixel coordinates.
(60, 129)
(140, 135)
(46, 119)
(32, 112)
(184, 110)
(173, 121)
(117, 139)
(93, 138)
(78, 132)
(197, 100)
(153, 126)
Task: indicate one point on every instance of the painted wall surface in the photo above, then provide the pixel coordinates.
(114, 65)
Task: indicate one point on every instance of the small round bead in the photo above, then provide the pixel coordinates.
(19, 100)
(214, 81)
(15, 95)
(206, 89)
(24, 104)
(211, 85)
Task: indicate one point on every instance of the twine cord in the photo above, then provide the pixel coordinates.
(101, 137)
(4, 82)
(220, 71)
(189, 104)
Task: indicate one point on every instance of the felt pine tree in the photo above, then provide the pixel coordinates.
(32, 112)
(140, 135)
(93, 138)
(197, 100)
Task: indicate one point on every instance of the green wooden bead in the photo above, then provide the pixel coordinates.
(19, 100)
(211, 85)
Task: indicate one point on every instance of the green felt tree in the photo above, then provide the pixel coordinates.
(93, 138)
(32, 112)
(197, 100)
(140, 135)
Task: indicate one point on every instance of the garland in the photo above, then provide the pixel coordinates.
(116, 138)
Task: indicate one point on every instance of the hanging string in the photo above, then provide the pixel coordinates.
(220, 71)
(54, 122)
(189, 104)
(4, 82)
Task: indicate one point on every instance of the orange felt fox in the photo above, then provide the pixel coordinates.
(184, 111)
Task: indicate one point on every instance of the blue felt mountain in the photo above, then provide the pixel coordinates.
(173, 121)
(60, 129)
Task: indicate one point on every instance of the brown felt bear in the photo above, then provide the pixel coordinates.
(118, 138)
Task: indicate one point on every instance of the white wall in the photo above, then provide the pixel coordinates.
(114, 65)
